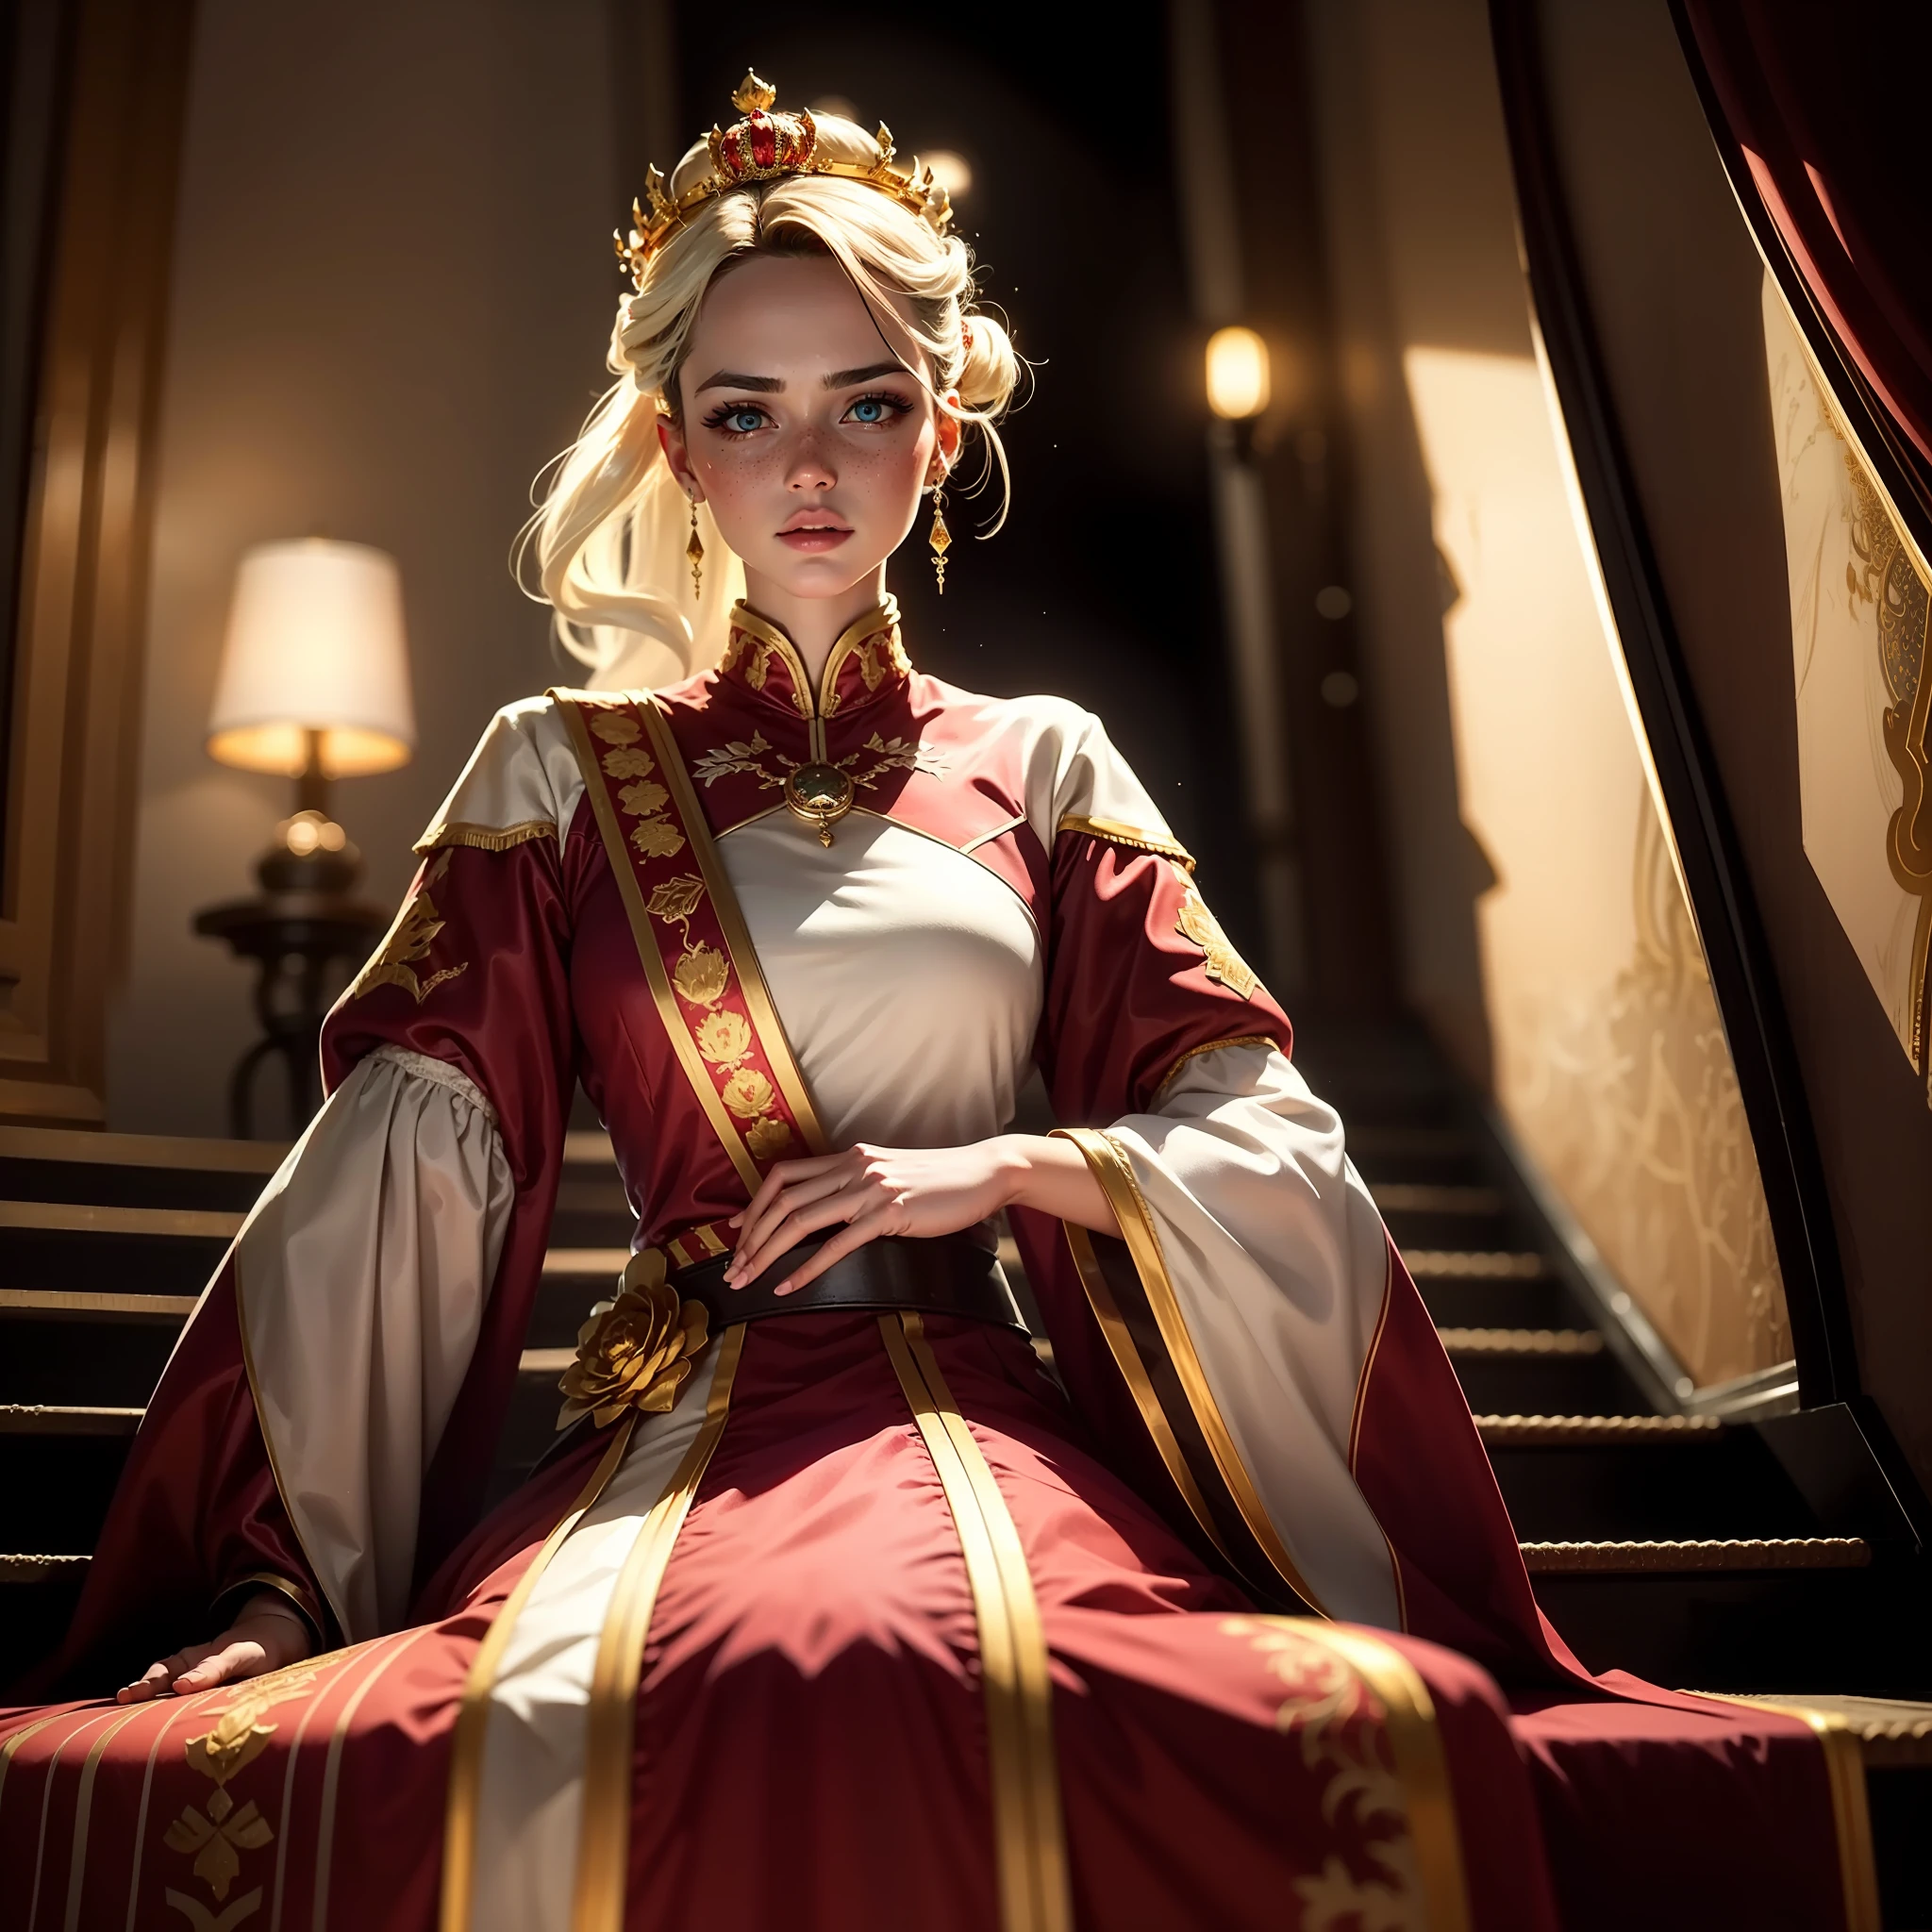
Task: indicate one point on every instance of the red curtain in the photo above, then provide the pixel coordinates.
(1827, 103)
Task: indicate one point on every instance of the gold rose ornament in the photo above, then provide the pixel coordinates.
(634, 1352)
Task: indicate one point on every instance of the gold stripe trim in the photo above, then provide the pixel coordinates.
(282, 1586)
(473, 1713)
(484, 838)
(18, 1738)
(1195, 1053)
(1029, 1838)
(1111, 1168)
(1134, 1373)
(882, 617)
(1851, 1813)
(660, 981)
(610, 1730)
(83, 1812)
(1117, 833)
(1410, 1723)
(332, 1768)
(751, 977)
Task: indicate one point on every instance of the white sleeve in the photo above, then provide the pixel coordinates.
(360, 1279)
(1279, 1263)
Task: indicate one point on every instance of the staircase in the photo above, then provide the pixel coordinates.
(1687, 1548)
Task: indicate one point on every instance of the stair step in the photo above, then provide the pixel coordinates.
(31, 1569)
(75, 1217)
(1679, 1558)
(88, 1305)
(54, 1418)
(1417, 1197)
(1473, 1264)
(1521, 1344)
(1596, 1431)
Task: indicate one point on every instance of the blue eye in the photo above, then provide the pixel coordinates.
(874, 412)
(742, 421)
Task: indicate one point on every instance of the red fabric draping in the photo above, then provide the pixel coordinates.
(1823, 105)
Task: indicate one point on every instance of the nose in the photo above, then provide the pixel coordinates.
(810, 469)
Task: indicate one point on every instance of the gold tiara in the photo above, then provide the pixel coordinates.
(761, 147)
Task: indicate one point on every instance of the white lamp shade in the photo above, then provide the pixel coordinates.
(315, 643)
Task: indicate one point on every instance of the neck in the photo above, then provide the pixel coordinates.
(814, 625)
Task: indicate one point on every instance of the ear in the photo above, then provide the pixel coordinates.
(670, 440)
(947, 433)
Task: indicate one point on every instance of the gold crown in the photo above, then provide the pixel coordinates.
(761, 147)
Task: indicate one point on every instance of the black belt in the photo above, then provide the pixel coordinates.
(944, 1275)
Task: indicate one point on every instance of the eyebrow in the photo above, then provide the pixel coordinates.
(773, 385)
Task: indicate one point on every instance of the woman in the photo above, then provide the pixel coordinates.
(836, 1608)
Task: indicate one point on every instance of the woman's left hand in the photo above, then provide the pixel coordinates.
(872, 1190)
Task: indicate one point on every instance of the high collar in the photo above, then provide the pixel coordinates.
(866, 662)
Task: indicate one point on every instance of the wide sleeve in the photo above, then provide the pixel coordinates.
(325, 1425)
(1249, 1335)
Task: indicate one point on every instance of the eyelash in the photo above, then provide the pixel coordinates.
(721, 417)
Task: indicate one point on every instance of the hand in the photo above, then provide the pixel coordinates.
(266, 1634)
(906, 1190)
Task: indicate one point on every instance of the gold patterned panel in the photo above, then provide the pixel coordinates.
(1610, 1062)
(1860, 598)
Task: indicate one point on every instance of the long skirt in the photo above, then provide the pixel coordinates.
(858, 1707)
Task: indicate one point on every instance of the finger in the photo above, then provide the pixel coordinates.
(845, 1205)
(235, 1660)
(759, 1233)
(867, 1227)
(782, 1174)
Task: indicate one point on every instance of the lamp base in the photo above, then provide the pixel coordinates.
(310, 854)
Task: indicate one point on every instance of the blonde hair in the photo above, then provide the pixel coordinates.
(609, 532)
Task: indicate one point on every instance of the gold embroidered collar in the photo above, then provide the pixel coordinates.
(866, 659)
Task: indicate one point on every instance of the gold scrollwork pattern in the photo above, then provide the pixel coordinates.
(408, 943)
(1221, 961)
(748, 757)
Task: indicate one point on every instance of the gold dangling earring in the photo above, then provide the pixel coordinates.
(695, 551)
(941, 537)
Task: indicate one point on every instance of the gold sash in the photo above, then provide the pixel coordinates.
(691, 936)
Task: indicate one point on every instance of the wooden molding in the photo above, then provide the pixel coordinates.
(73, 755)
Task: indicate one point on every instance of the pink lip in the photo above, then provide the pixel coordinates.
(813, 531)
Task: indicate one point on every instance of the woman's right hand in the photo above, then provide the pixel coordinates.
(266, 1634)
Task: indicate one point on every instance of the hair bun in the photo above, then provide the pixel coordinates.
(988, 369)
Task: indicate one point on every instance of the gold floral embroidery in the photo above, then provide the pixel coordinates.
(656, 838)
(748, 1093)
(739, 756)
(725, 1038)
(702, 975)
(636, 1350)
(1341, 1727)
(643, 797)
(1223, 962)
(215, 1839)
(615, 728)
(893, 755)
(746, 758)
(675, 900)
(409, 942)
(629, 762)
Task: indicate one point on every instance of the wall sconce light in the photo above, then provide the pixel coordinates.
(314, 684)
(1238, 385)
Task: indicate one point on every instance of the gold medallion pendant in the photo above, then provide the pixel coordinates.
(819, 795)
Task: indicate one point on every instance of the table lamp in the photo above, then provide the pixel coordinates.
(314, 683)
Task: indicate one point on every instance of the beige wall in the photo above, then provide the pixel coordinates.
(1422, 244)
(393, 281)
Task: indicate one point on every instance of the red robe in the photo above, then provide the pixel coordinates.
(812, 1743)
